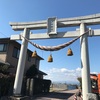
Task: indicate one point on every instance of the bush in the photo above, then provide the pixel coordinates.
(6, 84)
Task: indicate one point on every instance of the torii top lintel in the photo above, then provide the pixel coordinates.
(65, 22)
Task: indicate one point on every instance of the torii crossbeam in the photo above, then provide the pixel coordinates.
(82, 21)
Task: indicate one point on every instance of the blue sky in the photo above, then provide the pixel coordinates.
(63, 68)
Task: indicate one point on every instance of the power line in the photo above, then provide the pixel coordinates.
(3, 34)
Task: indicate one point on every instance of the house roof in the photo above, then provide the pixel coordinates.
(41, 73)
(39, 57)
(4, 38)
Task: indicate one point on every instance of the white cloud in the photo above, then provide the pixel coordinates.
(78, 69)
(64, 70)
(63, 74)
(94, 72)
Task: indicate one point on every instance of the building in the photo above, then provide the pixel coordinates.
(9, 55)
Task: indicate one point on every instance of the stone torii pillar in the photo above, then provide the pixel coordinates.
(86, 85)
(21, 64)
(82, 21)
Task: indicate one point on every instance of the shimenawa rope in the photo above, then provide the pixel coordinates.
(54, 48)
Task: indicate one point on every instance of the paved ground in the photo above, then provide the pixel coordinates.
(57, 95)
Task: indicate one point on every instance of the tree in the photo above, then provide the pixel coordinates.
(32, 71)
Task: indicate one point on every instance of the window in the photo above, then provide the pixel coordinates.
(3, 47)
(16, 52)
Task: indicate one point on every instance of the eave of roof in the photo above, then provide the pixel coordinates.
(42, 73)
(39, 57)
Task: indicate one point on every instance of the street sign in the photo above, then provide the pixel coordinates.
(52, 25)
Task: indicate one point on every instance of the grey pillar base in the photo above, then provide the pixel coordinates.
(92, 96)
(19, 98)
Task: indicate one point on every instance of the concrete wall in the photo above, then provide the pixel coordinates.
(3, 57)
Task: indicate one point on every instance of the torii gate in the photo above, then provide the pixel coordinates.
(52, 24)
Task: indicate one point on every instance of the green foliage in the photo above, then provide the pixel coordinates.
(32, 71)
(6, 83)
(4, 69)
(80, 81)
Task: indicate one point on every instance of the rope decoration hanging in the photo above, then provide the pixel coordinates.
(54, 48)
